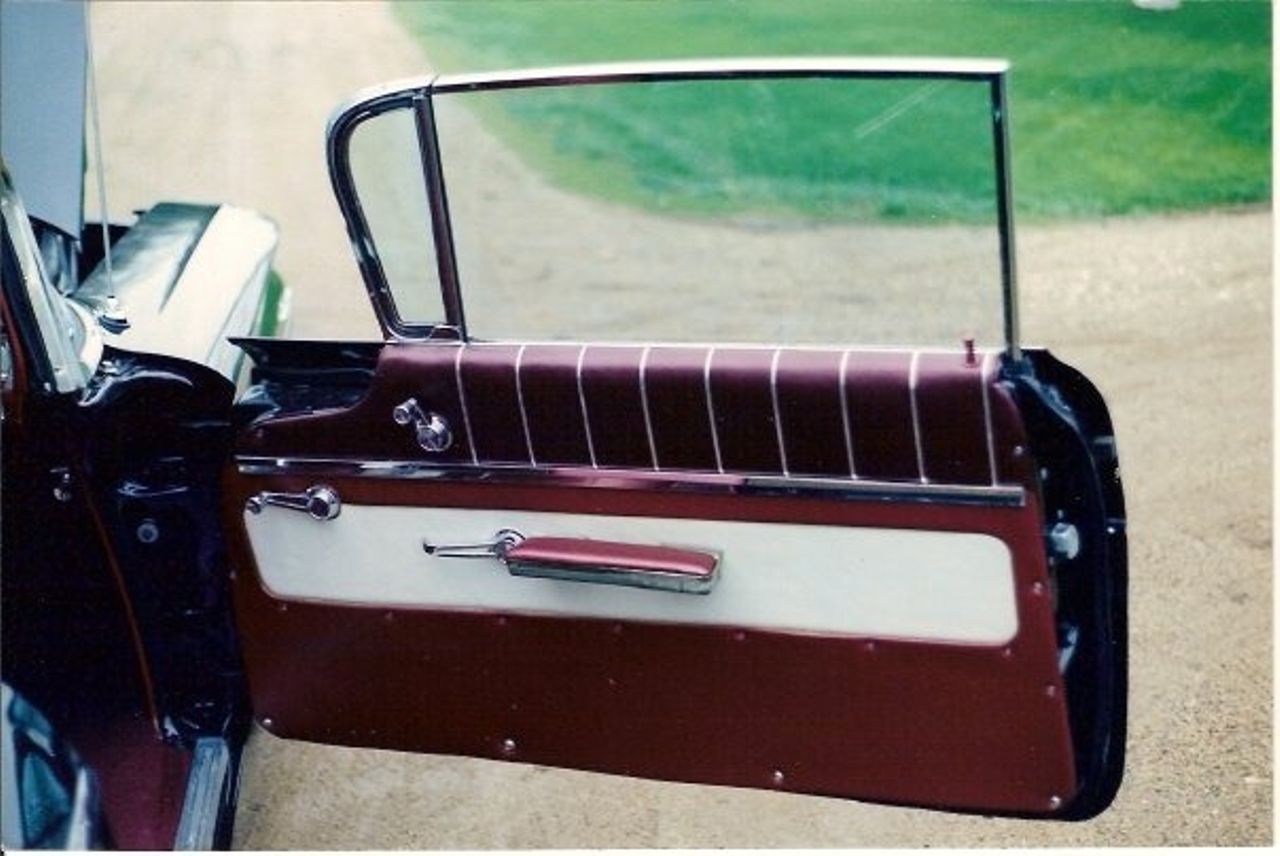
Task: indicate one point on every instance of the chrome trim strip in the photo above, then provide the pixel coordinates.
(84, 824)
(954, 494)
(965, 68)
(711, 408)
(838, 488)
(725, 344)
(616, 575)
(713, 69)
(524, 417)
(777, 411)
(912, 377)
(462, 400)
(844, 413)
(393, 91)
(582, 402)
(986, 414)
(1004, 214)
(206, 787)
(906, 67)
(441, 224)
(644, 406)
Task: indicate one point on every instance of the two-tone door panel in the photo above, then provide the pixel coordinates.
(833, 570)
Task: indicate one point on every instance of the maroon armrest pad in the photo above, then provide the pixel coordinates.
(585, 552)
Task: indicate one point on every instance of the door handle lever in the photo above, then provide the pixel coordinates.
(497, 548)
(583, 560)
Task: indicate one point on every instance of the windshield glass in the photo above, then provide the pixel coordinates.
(776, 210)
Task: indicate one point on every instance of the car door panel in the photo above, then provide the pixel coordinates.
(875, 638)
(464, 678)
(891, 574)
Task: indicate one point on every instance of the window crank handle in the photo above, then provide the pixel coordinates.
(430, 429)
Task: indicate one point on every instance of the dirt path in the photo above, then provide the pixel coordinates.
(1169, 315)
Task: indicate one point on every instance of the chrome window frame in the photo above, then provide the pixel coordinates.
(416, 94)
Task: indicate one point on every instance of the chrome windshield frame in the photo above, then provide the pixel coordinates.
(417, 93)
(63, 364)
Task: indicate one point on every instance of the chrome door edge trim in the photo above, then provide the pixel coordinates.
(746, 484)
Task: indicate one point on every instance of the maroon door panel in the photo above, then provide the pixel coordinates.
(814, 418)
(674, 432)
(882, 415)
(677, 399)
(611, 390)
(887, 415)
(975, 727)
(740, 387)
(552, 403)
(953, 415)
(491, 401)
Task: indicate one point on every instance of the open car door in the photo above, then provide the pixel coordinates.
(887, 573)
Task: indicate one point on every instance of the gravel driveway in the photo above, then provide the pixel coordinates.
(1169, 315)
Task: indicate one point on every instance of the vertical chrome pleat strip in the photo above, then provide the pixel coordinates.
(915, 414)
(524, 418)
(777, 411)
(983, 380)
(462, 402)
(844, 414)
(582, 401)
(711, 408)
(644, 406)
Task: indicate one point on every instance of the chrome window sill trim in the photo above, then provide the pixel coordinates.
(1013, 496)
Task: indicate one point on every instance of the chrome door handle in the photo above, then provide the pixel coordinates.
(431, 429)
(584, 560)
(320, 501)
(497, 548)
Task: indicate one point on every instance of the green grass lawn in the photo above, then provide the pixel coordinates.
(1115, 110)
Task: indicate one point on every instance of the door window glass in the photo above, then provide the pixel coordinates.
(763, 210)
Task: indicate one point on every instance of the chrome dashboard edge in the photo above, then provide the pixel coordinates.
(569, 476)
